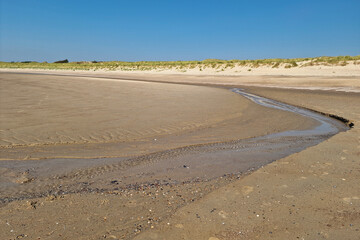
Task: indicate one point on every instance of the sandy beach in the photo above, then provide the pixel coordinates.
(149, 155)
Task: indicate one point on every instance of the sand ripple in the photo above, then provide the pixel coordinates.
(48, 110)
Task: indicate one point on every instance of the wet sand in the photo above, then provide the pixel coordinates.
(154, 204)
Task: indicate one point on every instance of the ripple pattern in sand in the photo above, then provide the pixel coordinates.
(45, 110)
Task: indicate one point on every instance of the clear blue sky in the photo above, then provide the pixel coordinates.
(177, 30)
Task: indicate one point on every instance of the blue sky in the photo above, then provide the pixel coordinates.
(177, 30)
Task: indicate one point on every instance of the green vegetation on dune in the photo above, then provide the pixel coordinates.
(182, 65)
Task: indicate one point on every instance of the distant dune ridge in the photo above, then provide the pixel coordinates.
(340, 65)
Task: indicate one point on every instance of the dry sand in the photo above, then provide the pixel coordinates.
(313, 78)
(309, 195)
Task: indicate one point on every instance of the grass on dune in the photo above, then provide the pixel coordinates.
(183, 65)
